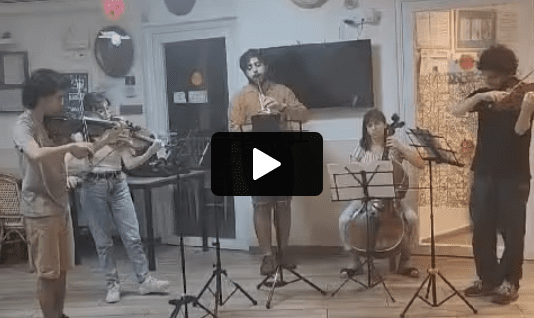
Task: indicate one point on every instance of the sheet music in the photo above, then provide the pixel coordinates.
(346, 180)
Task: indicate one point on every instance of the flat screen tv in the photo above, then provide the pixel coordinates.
(325, 74)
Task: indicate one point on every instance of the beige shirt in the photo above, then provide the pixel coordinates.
(246, 103)
(44, 182)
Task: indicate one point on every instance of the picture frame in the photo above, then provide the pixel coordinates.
(14, 69)
(475, 29)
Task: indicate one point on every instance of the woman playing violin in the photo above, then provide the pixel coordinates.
(372, 146)
(501, 174)
(105, 199)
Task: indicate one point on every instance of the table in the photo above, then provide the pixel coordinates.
(194, 201)
(147, 184)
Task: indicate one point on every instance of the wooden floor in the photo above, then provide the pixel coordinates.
(86, 289)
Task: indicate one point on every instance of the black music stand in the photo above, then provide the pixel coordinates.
(278, 280)
(218, 272)
(364, 183)
(438, 154)
(186, 299)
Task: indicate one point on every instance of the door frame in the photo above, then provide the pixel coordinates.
(404, 10)
(154, 40)
(155, 91)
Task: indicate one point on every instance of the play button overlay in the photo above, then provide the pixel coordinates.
(266, 164)
(262, 164)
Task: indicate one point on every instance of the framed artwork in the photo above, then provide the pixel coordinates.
(475, 29)
(13, 72)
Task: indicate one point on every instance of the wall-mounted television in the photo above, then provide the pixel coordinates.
(325, 74)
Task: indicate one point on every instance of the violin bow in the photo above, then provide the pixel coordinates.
(521, 81)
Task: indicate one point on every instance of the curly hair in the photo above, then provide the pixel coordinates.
(42, 83)
(498, 58)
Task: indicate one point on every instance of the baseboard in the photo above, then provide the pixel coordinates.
(307, 250)
(460, 230)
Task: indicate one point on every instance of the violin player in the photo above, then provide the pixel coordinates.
(263, 96)
(44, 194)
(106, 201)
(372, 147)
(501, 174)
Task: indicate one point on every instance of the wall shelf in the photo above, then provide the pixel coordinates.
(9, 41)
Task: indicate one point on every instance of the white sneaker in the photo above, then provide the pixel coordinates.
(152, 285)
(114, 293)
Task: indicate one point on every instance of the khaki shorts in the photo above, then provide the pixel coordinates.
(52, 244)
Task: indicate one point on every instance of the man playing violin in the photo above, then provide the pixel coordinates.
(106, 200)
(44, 199)
(501, 176)
(262, 96)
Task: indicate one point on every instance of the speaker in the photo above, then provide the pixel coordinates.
(180, 7)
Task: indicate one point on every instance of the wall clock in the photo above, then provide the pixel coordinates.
(114, 51)
(309, 4)
(196, 78)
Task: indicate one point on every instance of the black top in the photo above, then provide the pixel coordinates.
(499, 148)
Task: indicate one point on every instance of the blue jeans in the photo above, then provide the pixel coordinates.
(107, 202)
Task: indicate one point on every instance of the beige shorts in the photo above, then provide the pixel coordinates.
(52, 244)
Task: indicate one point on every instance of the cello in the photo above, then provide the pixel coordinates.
(381, 237)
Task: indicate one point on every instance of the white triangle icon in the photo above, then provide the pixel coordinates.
(262, 164)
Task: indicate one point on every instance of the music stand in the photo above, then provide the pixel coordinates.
(218, 272)
(186, 299)
(278, 280)
(438, 154)
(365, 183)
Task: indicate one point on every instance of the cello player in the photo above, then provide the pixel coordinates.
(372, 146)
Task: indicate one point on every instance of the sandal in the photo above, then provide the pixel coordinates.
(268, 265)
(411, 272)
(353, 271)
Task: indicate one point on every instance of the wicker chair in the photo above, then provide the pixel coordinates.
(12, 229)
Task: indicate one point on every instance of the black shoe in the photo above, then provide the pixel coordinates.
(479, 289)
(506, 293)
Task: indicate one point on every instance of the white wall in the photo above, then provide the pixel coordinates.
(259, 24)
(280, 22)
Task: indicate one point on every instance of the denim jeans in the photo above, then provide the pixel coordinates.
(107, 202)
(499, 206)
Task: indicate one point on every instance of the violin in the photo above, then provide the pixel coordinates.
(62, 127)
(514, 99)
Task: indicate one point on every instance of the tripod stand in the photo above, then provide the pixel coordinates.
(186, 299)
(439, 155)
(218, 272)
(359, 182)
(278, 279)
